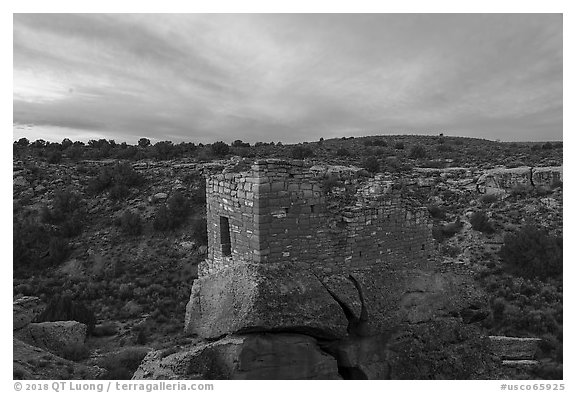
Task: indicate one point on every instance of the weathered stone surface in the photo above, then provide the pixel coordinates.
(514, 348)
(254, 356)
(160, 196)
(263, 297)
(53, 336)
(34, 363)
(395, 297)
(499, 180)
(20, 181)
(363, 357)
(25, 309)
(547, 176)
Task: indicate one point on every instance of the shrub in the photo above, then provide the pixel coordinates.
(162, 219)
(437, 212)
(118, 192)
(64, 205)
(106, 329)
(379, 142)
(444, 232)
(488, 199)
(173, 214)
(144, 142)
(444, 148)
(371, 164)
(119, 178)
(399, 145)
(342, 152)
(66, 212)
(30, 241)
(330, 182)
(480, 222)
(75, 352)
(417, 151)
(63, 308)
(131, 223)
(300, 152)
(200, 231)
(54, 157)
(220, 149)
(450, 251)
(531, 252)
(58, 250)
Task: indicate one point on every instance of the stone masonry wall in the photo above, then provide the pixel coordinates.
(282, 211)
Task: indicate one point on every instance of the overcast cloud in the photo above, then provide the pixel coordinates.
(286, 77)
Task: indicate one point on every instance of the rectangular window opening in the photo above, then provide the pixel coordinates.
(312, 208)
(225, 236)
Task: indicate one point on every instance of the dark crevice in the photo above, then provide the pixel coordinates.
(357, 326)
(351, 373)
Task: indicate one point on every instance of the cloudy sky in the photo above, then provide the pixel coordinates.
(286, 77)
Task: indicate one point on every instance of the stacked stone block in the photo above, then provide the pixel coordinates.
(279, 211)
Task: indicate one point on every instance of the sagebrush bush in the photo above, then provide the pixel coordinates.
(371, 164)
(480, 222)
(437, 212)
(63, 308)
(75, 352)
(200, 231)
(342, 152)
(417, 151)
(54, 157)
(443, 232)
(120, 178)
(532, 252)
(220, 149)
(488, 199)
(57, 250)
(173, 214)
(300, 152)
(131, 223)
(329, 182)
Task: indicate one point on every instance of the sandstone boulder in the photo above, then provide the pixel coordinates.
(253, 356)
(54, 336)
(263, 297)
(25, 310)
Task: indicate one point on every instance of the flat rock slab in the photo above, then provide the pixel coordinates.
(514, 348)
(54, 336)
(263, 297)
(255, 356)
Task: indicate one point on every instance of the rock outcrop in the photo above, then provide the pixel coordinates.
(502, 180)
(252, 356)
(33, 363)
(25, 310)
(250, 297)
(54, 336)
(514, 348)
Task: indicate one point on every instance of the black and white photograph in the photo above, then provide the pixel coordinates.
(287, 196)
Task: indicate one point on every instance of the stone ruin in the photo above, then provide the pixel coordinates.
(284, 239)
(325, 263)
(279, 211)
